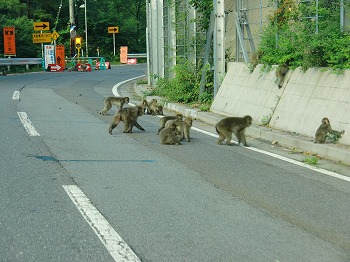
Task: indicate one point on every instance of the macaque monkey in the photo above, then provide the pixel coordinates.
(144, 105)
(154, 108)
(177, 123)
(324, 129)
(113, 100)
(167, 136)
(129, 116)
(3, 72)
(186, 126)
(237, 125)
(254, 60)
(281, 72)
(164, 119)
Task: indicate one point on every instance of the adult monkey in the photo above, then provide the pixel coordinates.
(113, 100)
(237, 125)
(129, 116)
(281, 72)
(167, 136)
(186, 126)
(154, 108)
(164, 119)
(324, 129)
(177, 123)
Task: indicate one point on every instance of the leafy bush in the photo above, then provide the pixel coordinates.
(184, 87)
(292, 37)
(311, 160)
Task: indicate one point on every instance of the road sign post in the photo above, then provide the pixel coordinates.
(113, 30)
(41, 26)
(78, 41)
(9, 41)
(41, 38)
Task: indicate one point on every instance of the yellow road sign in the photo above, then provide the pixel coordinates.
(41, 26)
(55, 35)
(113, 29)
(42, 38)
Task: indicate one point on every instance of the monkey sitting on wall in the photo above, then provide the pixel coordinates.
(167, 136)
(164, 119)
(112, 100)
(281, 72)
(3, 72)
(154, 108)
(254, 60)
(324, 129)
(129, 116)
(237, 125)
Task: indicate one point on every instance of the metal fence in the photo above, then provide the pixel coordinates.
(173, 32)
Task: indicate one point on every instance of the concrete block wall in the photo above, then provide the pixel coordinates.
(304, 99)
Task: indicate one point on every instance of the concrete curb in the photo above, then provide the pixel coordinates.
(301, 143)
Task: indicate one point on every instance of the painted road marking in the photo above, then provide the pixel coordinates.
(51, 158)
(289, 160)
(15, 95)
(115, 87)
(115, 245)
(27, 124)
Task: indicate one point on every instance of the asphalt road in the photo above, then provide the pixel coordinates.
(72, 192)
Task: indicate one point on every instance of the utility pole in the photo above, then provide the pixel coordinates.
(219, 43)
(72, 27)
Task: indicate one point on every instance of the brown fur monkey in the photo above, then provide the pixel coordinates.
(144, 105)
(237, 125)
(3, 72)
(113, 100)
(324, 129)
(186, 126)
(281, 72)
(154, 108)
(164, 119)
(129, 116)
(177, 123)
(167, 136)
(254, 60)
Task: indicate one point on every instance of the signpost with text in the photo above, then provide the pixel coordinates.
(113, 30)
(9, 41)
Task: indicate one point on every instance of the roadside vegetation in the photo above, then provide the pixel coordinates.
(304, 34)
(294, 36)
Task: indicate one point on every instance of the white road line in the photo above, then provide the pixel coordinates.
(115, 245)
(27, 124)
(115, 87)
(15, 95)
(289, 160)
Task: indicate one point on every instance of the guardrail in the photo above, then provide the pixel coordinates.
(20, 61)
(140, 55)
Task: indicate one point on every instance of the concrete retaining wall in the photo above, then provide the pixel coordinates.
(299, 106)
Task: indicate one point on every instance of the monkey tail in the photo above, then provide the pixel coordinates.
(216, 128)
